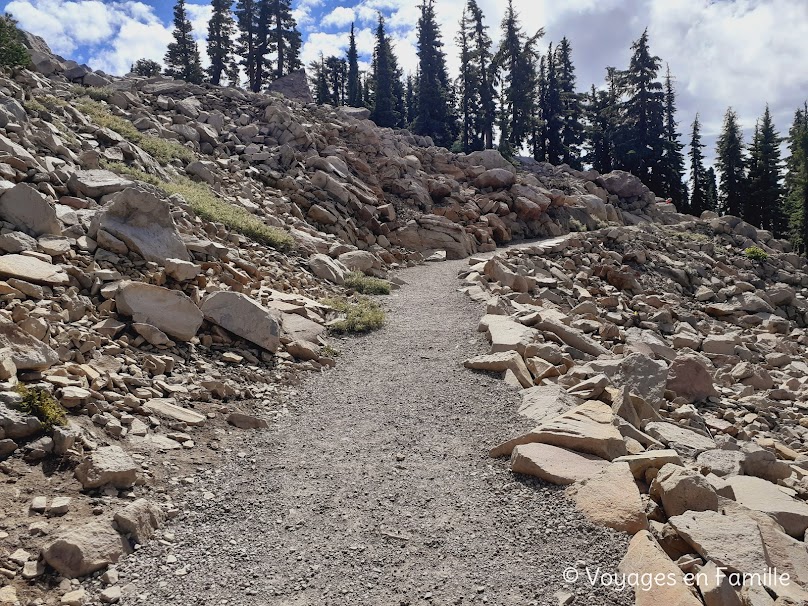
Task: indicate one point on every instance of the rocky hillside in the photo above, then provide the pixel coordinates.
(664, 367)
(167, 249)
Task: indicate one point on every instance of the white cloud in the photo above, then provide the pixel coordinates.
(108, 36)
(339, 17)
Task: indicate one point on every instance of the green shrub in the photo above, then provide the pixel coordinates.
(367, 285)
(43, 406)
(166, 150)
(33, 105)
(104, 118)
(360, 315)
(329, 352)
(576, 225)
(13, 52)
(204, 203)
(756, 254)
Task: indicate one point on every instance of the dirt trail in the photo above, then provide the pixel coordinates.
(376, 489)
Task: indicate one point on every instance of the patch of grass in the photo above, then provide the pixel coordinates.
(366, 285)
(34, 105)
(96, 93)
(103, 117)
(204, 203)
(361, 315)
(43, 406)
(576, 225)
(166, 150)
(162, 150)
(756, 254)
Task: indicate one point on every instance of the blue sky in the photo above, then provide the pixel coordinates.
(742, 53)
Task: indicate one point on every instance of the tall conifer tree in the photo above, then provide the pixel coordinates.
(571, 109)
(182, 58)
(434, 116)
(248, 43)
(354, 86)
(698, 175)
(284, 38)
(673, 161)
(797, 180)
(384, 111)
(764, 198)
(221, 28)
(731, 166)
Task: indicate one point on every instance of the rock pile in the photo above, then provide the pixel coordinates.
(665, 371)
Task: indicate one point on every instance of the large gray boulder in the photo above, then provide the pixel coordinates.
(109, 465)
(621, 184)
(294, 86)
(79, 551)
(96, 183)
(327, 268)
(169, 310)
(244, 317)
(27, 352)
(28, 210)
(144, 223)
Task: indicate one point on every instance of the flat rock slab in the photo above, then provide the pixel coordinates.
(500, 362)
(731, 541)
(171, 311)
(166, 408)
(96, 183)
(33, 270)
(682, 440)
(27, 352)
(586, 428)
(26, 208)
(107, 465)
(244, 317)
(555, 465)
(545, 402)
(762, 495)
(646, 559)
(611, 498)
(652, 459)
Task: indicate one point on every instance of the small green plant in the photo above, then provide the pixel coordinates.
(43, 406)
(329, 352)
(756, 254)
(576, 225)
(34, 105)
(360, 315)
(366, 285)
(204, 203)
(12, 49)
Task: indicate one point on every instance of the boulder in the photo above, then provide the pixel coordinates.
(28, 210)
(166, 408)
(15, 424)
(495, 178)
(298, 328)
(33, 270)
(243, 421)
(433, 232)
(688, 378)
(358, 260)
(715, 587)
(79, 551)
(572, 337)
(294, 86)
(108, 465)
(358, 113)
(762, 495)
(645, 559)
(244, 317)
(586, 428)
(500, 362)
(498, 272)
(169, 310)
(682, 490)
(327, 268)
(144, 223)
(27, 352)
(507, 335)
(682, 440)
(97, 183)
(553, 464)
(612, 499)
(303, 350)
(652, 459)
(139, 519)
(622, 184)
(544, 402)
(489, 159)
(731, 541)
(181, 270)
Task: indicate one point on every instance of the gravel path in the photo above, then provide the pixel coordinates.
(376, 489)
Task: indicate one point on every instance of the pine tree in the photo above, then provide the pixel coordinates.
(538, 137)
(673, 161)
(263, 64)
(319, 80)
(639, 143)
(411, 101)
(146, 68)
(484, 60)
(221, 28)
(182, 58)
(797, 180)
(434, 114)
(248, 44)
(764, 197)
(571, 109)
(336, 70)
(354, 86)
(516, 57)
(383, 112)
(13, 52)
(469, 95)
(731, 165)
(712, 190)
(602, 116)
(698, 176)
(284, 38)
(475, 84)
(552, 113)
